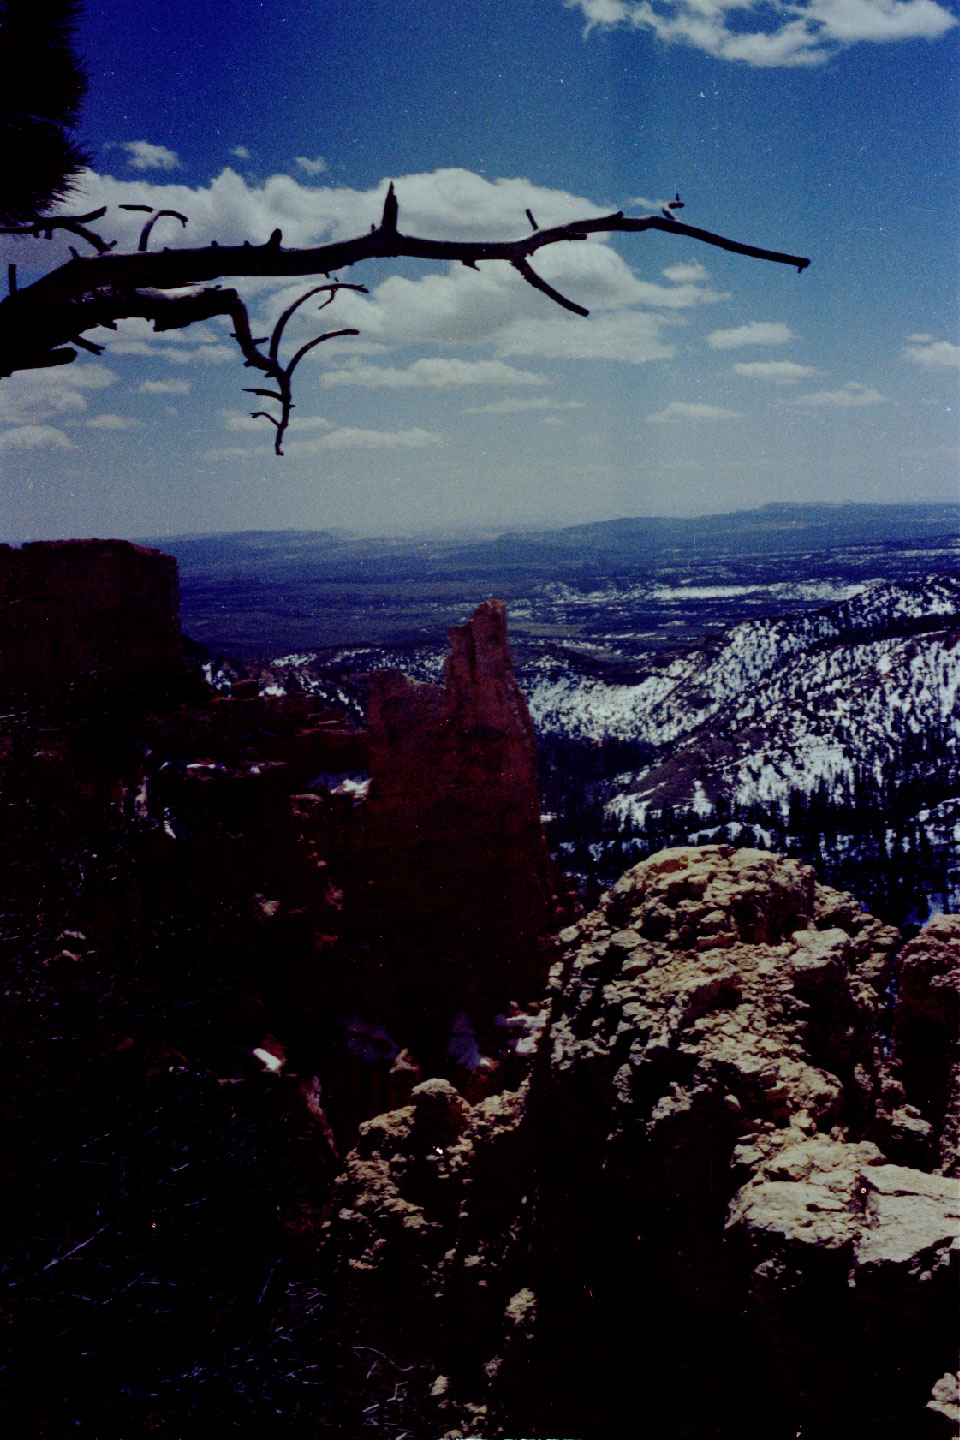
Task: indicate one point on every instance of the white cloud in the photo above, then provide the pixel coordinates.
(332, 438)
(781, 372)
(127, 347)
(35, 437)
(348, 438)
(85, 376)
(141, 155)
(679, 410)
(848, 21)
(644, 203)
(852, 394)
(33, 395)
(437, 372)
(451, 204)
(494, 306)
(316, 166)
(202, 354)
(241, 152)
(489, 306)
(757, 332)
(930, 353)
(113, 422)
(194, 344)
(514, 405)
(233, 420)
(633, 338)
(164, 387)
(690, 272)
(804, 32)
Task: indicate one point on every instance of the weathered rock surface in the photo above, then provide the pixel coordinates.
(685, 1219)
(456, 846)
(88, 615)
(928, 1031)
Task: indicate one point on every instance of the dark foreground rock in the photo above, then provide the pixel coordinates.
(85, 619)
(688, 1221)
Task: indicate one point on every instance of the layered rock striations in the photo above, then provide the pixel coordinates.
(715, 1208)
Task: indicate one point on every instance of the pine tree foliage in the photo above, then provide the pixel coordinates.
(42, 85)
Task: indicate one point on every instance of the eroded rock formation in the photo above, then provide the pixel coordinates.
(88, 616)
(687, 1222)
(456, 848)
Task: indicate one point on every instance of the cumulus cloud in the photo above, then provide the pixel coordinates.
(194, 344)
(141, 155)
(930, 353)
(241, 152)
(514, 405)
(164, 387)
(348, 438)
(198, 354)
(332, 437)
(113, 422)
(34, 395)
(493, 306)
(805, 32)
(35, 437)
(447, 204)
(490, 306)
(852, 394)
(686, 273)
(757, 332)
(632, 338)
(316, 166)
(680, 410)
(644, 203)
(439, 373)
(781, 372)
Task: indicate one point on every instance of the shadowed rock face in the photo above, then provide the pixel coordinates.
(689, 1216)
(928, 1030)
(457, 853)
(87, 615)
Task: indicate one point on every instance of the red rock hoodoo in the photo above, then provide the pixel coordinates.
(456, 845)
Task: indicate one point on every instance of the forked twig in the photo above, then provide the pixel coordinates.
(270, 362)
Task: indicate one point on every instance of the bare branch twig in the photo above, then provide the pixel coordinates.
(89, 291)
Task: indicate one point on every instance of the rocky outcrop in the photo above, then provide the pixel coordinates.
(85, 618)
(928, 1031)
(690, 1211)
(456, 847)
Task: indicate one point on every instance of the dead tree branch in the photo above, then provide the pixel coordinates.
(270, 363)
(42, 322)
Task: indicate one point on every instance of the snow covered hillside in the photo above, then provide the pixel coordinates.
(835, 735)
(689, 690)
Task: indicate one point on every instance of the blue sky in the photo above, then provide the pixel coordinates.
(700, 382)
